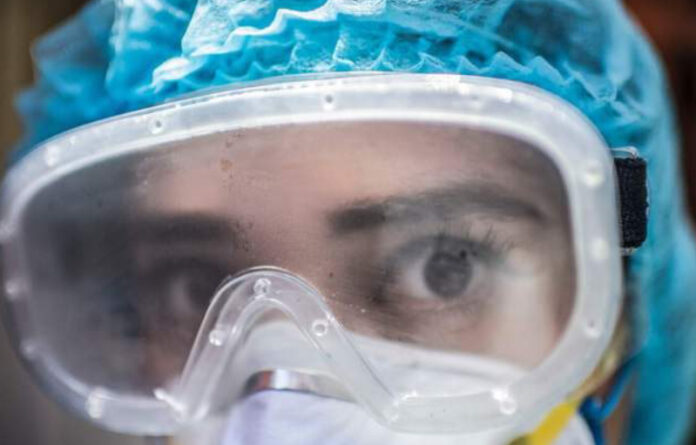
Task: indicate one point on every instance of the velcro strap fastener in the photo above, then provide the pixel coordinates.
(631, 173)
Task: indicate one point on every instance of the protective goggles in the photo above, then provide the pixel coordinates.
(442, 250)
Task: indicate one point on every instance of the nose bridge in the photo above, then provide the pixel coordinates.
(223, 356)
(251, 293)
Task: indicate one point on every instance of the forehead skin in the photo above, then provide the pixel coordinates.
(325, 165)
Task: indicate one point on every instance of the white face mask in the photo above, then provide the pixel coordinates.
(293, 418)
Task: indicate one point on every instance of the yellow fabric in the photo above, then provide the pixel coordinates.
(552, 426)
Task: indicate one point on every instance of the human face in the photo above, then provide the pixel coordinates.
(449, 239)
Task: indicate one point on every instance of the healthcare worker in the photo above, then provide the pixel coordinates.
(353, 222)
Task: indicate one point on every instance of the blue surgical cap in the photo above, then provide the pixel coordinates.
(122, 55)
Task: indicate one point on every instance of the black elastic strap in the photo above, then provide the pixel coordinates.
(631, 173)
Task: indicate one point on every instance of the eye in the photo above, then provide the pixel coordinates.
(443, 267)
(184, 288)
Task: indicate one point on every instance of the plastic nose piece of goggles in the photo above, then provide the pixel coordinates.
(237, 305)
(213, 371)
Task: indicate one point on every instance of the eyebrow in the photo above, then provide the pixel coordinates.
(188, 227)
(364, 215)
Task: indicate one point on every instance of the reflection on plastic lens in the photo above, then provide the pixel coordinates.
(433, 236)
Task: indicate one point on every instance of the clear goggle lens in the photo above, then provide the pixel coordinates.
(446, 239)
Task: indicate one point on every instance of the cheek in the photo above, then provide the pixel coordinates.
(167, 351)
(525, 325)
(534, 306)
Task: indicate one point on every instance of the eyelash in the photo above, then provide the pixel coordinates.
(492, 242)
(490, 247)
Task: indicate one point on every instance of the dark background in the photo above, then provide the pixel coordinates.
(26, 416)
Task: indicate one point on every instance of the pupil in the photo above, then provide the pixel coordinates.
(447, 273)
